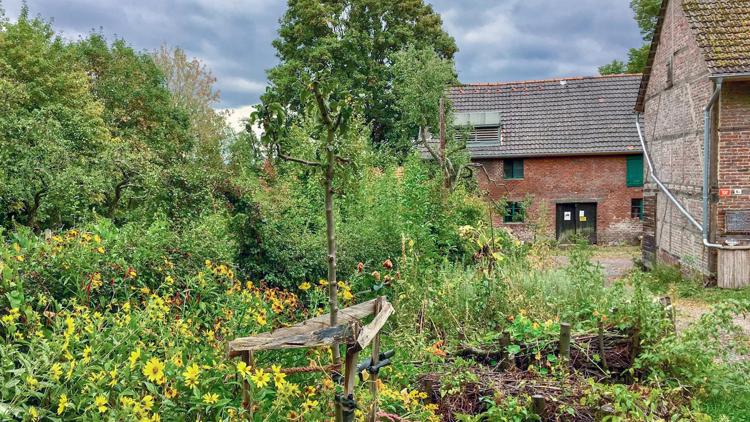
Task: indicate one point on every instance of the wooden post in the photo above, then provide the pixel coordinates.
(373, 415)
(504, 343)
(247, 397)
(350, 376)
(601, 346)
(539, 406)
(565, 341)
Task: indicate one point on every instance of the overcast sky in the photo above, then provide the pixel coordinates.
(499, 40)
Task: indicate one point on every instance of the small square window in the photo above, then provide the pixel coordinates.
(513, 169)
(636, 208)
(514, 213)
(670, 73)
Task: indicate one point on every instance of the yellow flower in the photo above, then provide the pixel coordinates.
(134, 356)
(70, 327)
(147, 401)
(113, 376)
(62, 404)
(243, 369)
(177, 361)
(33, 413)
(100, 250)
(191, 375)
(208, 263)
(279, 379)
(346, 294)
(261, 319)
(20, 258)
(261, 378)
(323, 282)
(87, 354)
(170, 393)
(101, 403)
(169, 280)
(56, 371)
(154, 370)
(32, 382)
(97, 238)
(304, 286)
(309, 405)
(210, 398)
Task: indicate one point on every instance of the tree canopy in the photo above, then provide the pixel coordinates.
(354, 43)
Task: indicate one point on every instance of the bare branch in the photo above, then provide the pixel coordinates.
(426, 144)
(297, 160)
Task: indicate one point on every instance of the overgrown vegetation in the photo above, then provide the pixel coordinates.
(139, 235)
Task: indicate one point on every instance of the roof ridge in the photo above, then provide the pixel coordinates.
(569, 78)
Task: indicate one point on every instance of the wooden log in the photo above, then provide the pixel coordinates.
(368, 332)
(314, 332)
(565, 341)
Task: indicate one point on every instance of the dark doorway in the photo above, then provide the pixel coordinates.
(576, 219)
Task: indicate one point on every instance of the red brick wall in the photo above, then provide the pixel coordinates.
(673, 130)
(600, 179)
(734, 148)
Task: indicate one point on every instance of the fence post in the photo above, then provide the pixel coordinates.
(539, 406)
(565, 341)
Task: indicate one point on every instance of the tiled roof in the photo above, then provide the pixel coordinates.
(722, 30)
(572, 116)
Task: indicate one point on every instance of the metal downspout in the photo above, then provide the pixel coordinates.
(704, 228)
(658, 182)
(707, 129)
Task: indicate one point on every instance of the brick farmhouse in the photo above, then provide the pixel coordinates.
(695, 93)
(566, 149)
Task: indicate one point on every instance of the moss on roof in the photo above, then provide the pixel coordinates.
(722, 30)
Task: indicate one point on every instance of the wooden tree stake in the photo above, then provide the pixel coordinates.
(372, 416)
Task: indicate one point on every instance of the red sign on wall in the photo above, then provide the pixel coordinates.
(725, 192)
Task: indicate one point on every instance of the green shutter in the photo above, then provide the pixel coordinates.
(635, 171)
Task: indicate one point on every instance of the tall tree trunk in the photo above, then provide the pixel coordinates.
(331, 235)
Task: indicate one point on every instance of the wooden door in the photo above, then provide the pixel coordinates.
(576, 219)
(586, 221)
(566, 222)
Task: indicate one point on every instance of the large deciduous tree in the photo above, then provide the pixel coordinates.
(51, 127)
(366, 35)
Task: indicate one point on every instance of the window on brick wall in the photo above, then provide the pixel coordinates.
(634, 171)
(670, 73)
(636, 208)
(513, 169)
(514, 213)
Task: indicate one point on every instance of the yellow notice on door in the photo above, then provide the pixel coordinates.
(583, 218)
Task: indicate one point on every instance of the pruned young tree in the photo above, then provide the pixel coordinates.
(421, 78)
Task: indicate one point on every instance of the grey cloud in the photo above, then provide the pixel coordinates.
(498, 40)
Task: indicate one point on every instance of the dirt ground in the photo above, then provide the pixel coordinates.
(616, 261)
